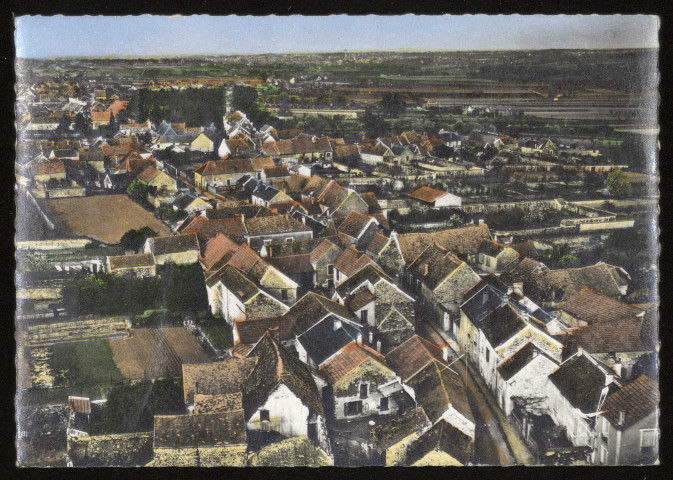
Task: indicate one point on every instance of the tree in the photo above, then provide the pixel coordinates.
(393, 103)
(618, 183)
(113, 126)
(373, 124)
(135, 239)
(138, 189)
(82, 124)
(63, 124)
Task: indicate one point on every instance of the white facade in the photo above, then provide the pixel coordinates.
(529, 383)
(448, 200)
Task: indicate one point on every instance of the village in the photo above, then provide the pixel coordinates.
(258, 290)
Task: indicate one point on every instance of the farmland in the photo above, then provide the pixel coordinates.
(105, 218)
(156, 352)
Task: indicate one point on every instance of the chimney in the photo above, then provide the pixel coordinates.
(618, 369)
(518, 285)
(609, 379)
(242, 218)
(337, 324)
(378, 346)
(580, 350)
(622, 417)
(303, 220)
(481, 221)
(359, 338)
(371, 337)
(445, 353)
(425, 269)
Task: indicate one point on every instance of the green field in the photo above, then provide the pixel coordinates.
(87, 362)
(219, 335)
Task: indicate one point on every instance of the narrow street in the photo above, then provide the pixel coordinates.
(491, 445)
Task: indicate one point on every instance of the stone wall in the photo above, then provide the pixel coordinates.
(119, 450)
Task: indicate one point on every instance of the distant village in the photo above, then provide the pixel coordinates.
(235, 294)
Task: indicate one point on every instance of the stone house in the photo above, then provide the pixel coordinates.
(273, 229)
(395, 435)
(373, 298)
(49, 170)
(494, 257)
(222, 173)
(627, 432)
(280, 395)
(350, 261)
(374, 154)
(178, 249)
(163, 184)
(443, 445)
(325, 338)
(204, 142)
(358, 228)
(439, 278)
(246, 334)
(265, 195)
(358, 378)
(137, 265)
(312, 308)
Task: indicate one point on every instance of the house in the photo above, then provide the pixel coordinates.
(627, 432)
(204, 142)
(520, 271)
(501, 333)
(479, 302)
(590, 307)
(373, 298)
(219, 378)
(441, 445)
(312, 308)
(350, 261)
(395, 435)
(275, 172)
(246, 334)
(523, 376)
(423, 372)
(436, 198)
(178, 249)
(359, 227)
(50, 170)
(266, 195)
(265, 231)
(291, 452)
(494, 257)
(222, 173)
(136, 265)
(280, 395)
(440, 278)
(360, 383)
(189, 202)
(374, 154)
(551, 287)
(201, 439)
(325, 338)
(164, 184)
(237, 122)
(577, 390)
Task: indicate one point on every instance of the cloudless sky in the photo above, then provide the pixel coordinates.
(39, 36)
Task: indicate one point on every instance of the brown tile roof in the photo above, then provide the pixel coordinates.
(228, 166)
(131, 261)
(371, 200)
(442, 437)
(348, 358)
(79, 404)
(413, 355)
(215, 378)
(580, 380)
(274, 224)
(489, 279)
(491, 248)
(118, 149)
(215, 249)
(333, 195)
(636, 399)
(49, 167)
(239, 145)
(134, 163)
(293, 184)
(206, 429)
(353, 223)
(241, 350)
(378, 150)
(276, 171)
(594, 307)
(292, 264)
(284, 147)
(311, 308)
(351, 260)
(369, 273)
(262, 162)
(522, 270)
(281, 208)
(208, 228)
(250, 331)
(377, 243)
(321, 249)
(621, 335)
(237, 283)
(315, 185)
(148, 173)
(276, 365)
(460, 241)
(173, 244)
(434, 265)
(218, 403)
(345, 150)
(359, 299)
(427, 194)
(602, 278)
(399, 427)
(437, 388)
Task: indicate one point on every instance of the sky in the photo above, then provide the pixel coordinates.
(58, 36)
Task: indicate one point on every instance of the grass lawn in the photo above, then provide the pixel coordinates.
(88, 362)
(218, 334)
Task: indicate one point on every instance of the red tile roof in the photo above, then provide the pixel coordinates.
(228, 166)
(348, 358)
(594, 307)
(460, 241)
(250, 331)
(377, 243)
(412, 356)
(360, 298)
(351, 260)
(427, 194)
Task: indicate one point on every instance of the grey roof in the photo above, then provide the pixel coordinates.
(482, 303)
(323, 340)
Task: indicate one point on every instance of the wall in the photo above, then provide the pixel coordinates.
(263, 305)
(127, 449)
(287, 413)
(529, 382)
(179, 258)
(275, 282)
(257, 241)
(56, 244)
(628, 441)
(347, 389)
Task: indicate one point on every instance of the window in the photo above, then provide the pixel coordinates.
(283, 294)
(364, 390)
(604, 455)
(267, 241)
(289, 240)
(363, 316)
(263, 415)
(605, 428)
(312, 431)
(383, 404)
(330, 269)
(353, 408)
(648, 439)
(488, 355)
